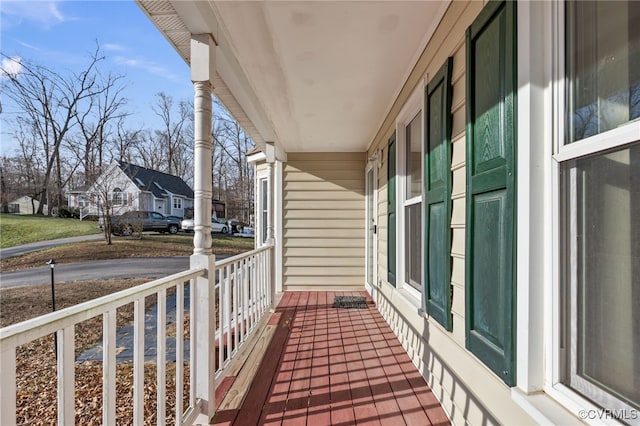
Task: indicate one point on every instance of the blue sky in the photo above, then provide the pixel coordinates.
(62, 34)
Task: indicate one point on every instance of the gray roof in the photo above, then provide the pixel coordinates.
(156, 182)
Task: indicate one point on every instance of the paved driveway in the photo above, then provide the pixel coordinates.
(115, 268)
(41, 245)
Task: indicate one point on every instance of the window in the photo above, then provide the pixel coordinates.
(490, 197)
(177, 203)
(412, 203)
(603, 66)
(600, 208)
(264, 212)
(437, 195)
(117, 198)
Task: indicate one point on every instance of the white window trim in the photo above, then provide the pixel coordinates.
(373, 164)
(541, 117)
(175, 201)
(260, 176)
(411, 108)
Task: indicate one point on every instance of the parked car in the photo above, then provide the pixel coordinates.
(132, 221)
(236, 225)
(187, 225)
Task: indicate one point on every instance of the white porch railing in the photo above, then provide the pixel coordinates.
(243, 284)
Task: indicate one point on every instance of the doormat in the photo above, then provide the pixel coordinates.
(356, 302)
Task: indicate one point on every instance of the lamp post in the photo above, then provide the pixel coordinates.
(52, 264)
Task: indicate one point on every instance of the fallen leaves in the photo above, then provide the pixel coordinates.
(36, 367)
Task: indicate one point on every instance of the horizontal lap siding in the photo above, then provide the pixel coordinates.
(323, 221)
(467, 389)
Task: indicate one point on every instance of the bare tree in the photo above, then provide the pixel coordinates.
(124, 143)
(174, 136)
(94, 124)
(12, 182)
(52, 102)
(148, 152)
(234, 143)
(30, 162)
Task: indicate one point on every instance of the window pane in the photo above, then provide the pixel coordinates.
(413, 245)
(264, 204)
(603, 66)
(413, 166)
(604, 239)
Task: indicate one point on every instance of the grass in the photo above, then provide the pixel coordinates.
(23, 229)
(151, 245)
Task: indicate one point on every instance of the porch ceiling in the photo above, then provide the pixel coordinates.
(309, 75)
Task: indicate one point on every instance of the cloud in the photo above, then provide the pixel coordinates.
(113, 47)
(29, 46)
(11, 67)
(43, 13)
(148, 66)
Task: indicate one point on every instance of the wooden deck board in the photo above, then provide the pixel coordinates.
(333, 366)
(236, 394)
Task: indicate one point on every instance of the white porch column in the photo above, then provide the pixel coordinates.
(203, 368)
(271, 157)
(270, 153)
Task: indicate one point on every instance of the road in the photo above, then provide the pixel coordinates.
(114, 268)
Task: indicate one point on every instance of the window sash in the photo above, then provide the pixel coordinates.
(413, 245)
(413, 157)
(599, 64)
(263, 209)
(580, 237)
(570, 220)
(409, 161)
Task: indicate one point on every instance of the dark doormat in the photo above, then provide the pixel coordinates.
(357, 302)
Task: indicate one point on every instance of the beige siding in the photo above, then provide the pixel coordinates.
(323, 221)
(467, 389)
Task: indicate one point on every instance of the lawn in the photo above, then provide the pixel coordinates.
(151, 245)
(23, 229)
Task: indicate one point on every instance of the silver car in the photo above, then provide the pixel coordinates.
(187, 225)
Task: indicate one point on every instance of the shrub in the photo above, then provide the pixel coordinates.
(69, 212)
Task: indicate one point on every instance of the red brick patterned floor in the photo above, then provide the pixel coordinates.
(329, 366)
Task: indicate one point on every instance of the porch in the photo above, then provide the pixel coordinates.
(225, 353)
(327, 365)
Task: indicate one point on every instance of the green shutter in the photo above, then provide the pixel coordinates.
(391, 211)
(490, 193)
(437, 193)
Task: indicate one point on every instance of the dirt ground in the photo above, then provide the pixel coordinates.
(36, 361)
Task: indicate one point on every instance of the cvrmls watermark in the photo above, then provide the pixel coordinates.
(609, 414)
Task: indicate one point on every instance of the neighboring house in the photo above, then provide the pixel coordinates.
(130, 187)
(25, 205)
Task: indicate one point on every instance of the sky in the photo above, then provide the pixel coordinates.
(62, 34)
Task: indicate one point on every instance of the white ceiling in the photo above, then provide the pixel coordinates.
(313, 75)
